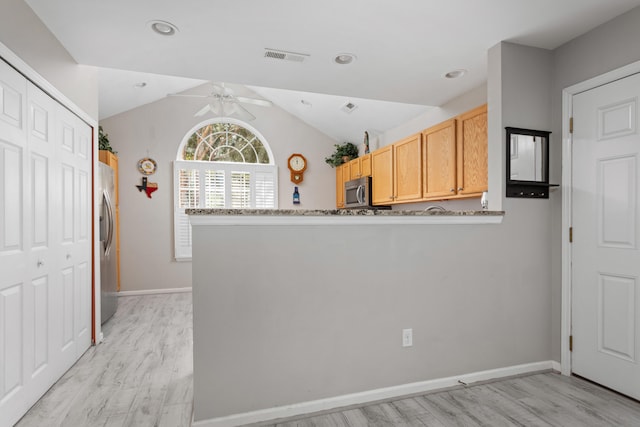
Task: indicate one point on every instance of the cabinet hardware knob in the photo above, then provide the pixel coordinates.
(68, 256)
(453, 190)
(40, 263)
(460, 188)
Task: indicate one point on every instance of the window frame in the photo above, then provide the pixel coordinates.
(260, 173)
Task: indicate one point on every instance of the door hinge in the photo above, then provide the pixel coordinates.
(570, 342)
(570, 234)
(571, 125)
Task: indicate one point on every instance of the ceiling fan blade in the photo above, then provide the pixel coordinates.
(240, 112)
(221, 89)
(204, 110)
(180, 95)
(255, 101)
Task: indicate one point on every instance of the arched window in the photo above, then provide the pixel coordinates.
(221, 163)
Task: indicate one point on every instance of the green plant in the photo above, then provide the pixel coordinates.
(344, 152)
(103, 141)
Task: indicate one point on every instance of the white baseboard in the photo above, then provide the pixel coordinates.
(371, 396)
(556, 366)
(153, 292)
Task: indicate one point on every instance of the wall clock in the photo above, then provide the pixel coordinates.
(297, 165)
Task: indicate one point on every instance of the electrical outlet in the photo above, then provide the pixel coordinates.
(407, 337)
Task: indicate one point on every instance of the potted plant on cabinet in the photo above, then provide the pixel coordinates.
(344, 152)
(103, 141)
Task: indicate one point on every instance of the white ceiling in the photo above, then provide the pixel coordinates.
(403, 47)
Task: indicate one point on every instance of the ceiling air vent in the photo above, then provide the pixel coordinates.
(349, 107)
(284, 55)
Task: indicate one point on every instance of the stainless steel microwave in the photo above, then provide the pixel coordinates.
(357, 194)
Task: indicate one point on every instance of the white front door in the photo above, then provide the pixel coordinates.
(606, 259)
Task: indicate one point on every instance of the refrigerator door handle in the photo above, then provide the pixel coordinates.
(109, 223)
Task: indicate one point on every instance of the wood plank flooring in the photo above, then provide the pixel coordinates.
(142, 375)
(545, 399)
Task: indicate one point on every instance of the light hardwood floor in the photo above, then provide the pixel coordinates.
(142, 375)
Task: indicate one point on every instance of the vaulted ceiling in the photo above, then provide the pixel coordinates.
(402, 48)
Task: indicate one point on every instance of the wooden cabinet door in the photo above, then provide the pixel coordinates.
(339, 187)
(382, 176)
(365, 165)
(346, 174)
(439, 164)
(354, 169)
(472, 148)
(407, 162)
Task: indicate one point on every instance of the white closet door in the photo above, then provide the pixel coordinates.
(40, 362)
(14, 270)
(73, 236)
(45, 242)
(81, 259)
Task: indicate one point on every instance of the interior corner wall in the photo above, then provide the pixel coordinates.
(156, 130)
(610, 46)
(519, 91)
(26, 36)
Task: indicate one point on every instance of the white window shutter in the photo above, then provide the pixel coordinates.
(240, 190)
(218, 185)
(214, 189)
(265, 190)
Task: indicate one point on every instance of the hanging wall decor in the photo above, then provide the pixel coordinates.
(147, 187)
(147, 166)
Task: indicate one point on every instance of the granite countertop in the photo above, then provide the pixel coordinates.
(337, 212)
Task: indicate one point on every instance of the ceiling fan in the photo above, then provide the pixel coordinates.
(224, 103)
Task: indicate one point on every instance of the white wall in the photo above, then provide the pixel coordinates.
(156, 130)
(23, 32)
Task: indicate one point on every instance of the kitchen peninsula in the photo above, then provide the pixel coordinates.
(298, 311)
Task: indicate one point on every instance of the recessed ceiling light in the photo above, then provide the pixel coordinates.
(455, 74)
(140, 85)
(163, 28)
(344, 58)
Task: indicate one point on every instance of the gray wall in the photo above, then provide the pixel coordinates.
(23, 32)
(284, 320)
(156, 130)
(325, 320)
(606, 48)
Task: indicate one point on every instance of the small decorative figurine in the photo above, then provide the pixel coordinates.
(366, 142)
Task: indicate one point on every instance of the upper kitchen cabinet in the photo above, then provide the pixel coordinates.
(340, 186)
(360, 167)
(382, 173)
(407, 169)
(397, 172)
(439, 164)
(472, 152)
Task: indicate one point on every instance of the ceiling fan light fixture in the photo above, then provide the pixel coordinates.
(163, 28)
(344, 58)
(454, 74)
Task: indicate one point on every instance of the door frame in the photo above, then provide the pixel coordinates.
(567, 199)
(31, 74)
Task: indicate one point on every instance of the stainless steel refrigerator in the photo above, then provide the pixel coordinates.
(108, 262)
